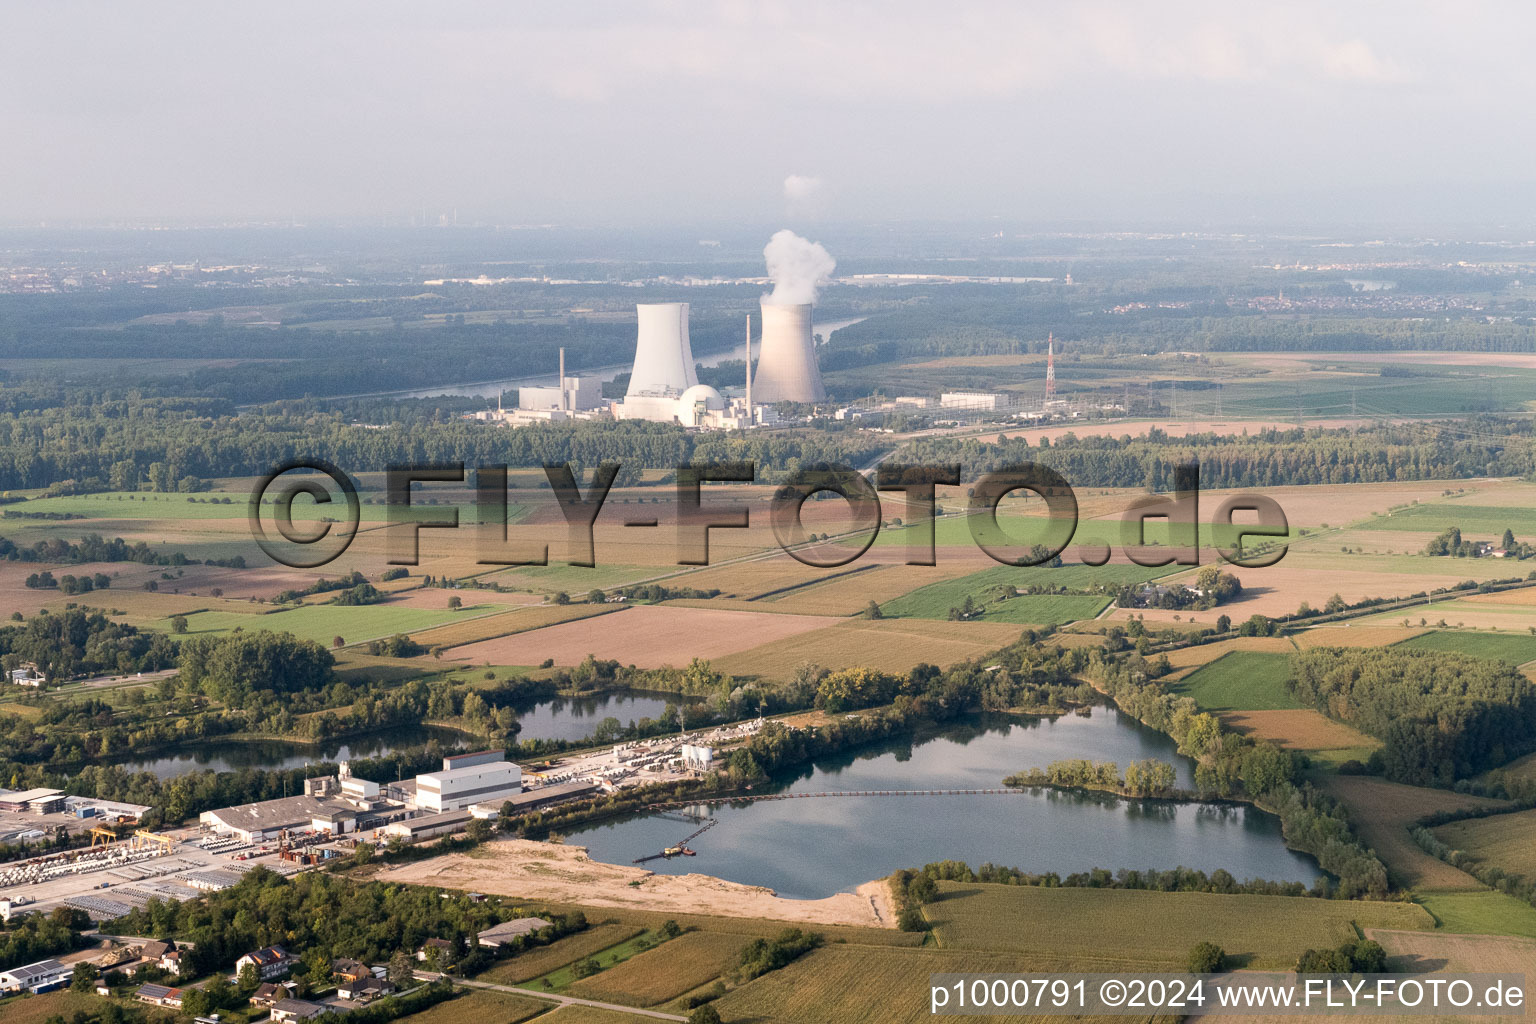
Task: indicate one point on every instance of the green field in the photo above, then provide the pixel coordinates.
(577, 579)
(682, 965)
(323, 622)
(543, 960)
(935, 601)
(1481, 522)
(1514, 648)
(1480, 913)
(1088, 925)
(985, 589)
(562, 978)
(1240, 681)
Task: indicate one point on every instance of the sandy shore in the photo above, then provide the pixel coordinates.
(566, 874)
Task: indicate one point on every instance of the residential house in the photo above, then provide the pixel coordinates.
(364, 990)
(349, 970)
(270, 962)
(288, 1010)
(269, 992)
(164, 954)
(159, 995)
(500, 934)
(443, 946)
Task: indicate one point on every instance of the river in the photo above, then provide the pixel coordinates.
(557, 719)
(492, 388)
(808, 849)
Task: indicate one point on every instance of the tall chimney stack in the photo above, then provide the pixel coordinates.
(750, 417)
(562, 378)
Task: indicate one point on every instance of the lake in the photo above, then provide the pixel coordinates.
(557, 719)
(809, 849)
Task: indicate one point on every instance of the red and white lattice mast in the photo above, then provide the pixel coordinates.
(1050, 367)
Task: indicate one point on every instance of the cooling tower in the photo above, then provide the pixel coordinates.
(663, 357)
(786, 364)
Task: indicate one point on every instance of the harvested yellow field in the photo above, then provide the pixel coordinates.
(498, 624)
(578, 1014)
(141, 604)
(765, 577)
(1507, 841)
(1382, 812)
(851, 984)
(649, 636)
(1449, 952)
(1088, 925)
(1525, 597)
(1281, 589)
(890, 645)
(501, 1007)
(1073, 640)
(1354, 636)
(1463, 613)
(1298, 729)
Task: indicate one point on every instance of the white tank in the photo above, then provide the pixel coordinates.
(663, 357)
(786, 365)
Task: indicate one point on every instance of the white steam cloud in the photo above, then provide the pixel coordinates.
(800, 187)
(797, 267)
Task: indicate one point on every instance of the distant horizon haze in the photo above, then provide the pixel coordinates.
(1109, 115)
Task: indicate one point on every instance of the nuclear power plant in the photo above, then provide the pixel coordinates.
(663, 367)
(786, 366)
(664, 386)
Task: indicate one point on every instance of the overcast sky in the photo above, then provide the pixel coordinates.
(694, 112)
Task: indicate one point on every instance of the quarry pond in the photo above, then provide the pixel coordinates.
(560, 718)
(812, 848)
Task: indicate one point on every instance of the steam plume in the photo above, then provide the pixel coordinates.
(798, 187)
(797, 267)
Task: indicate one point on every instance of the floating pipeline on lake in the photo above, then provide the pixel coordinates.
(326, 485)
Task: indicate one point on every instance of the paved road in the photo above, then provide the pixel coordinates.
(556, 997)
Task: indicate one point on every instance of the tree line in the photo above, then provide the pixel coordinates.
(1440, 716)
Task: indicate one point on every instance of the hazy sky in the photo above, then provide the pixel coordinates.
(697, 112)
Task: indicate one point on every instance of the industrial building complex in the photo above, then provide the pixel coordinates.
(664, 385)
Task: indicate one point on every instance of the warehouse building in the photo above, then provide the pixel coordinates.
(264, 820)
(428, 826)
(457, 788)
(37, 977)
(37, 801)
